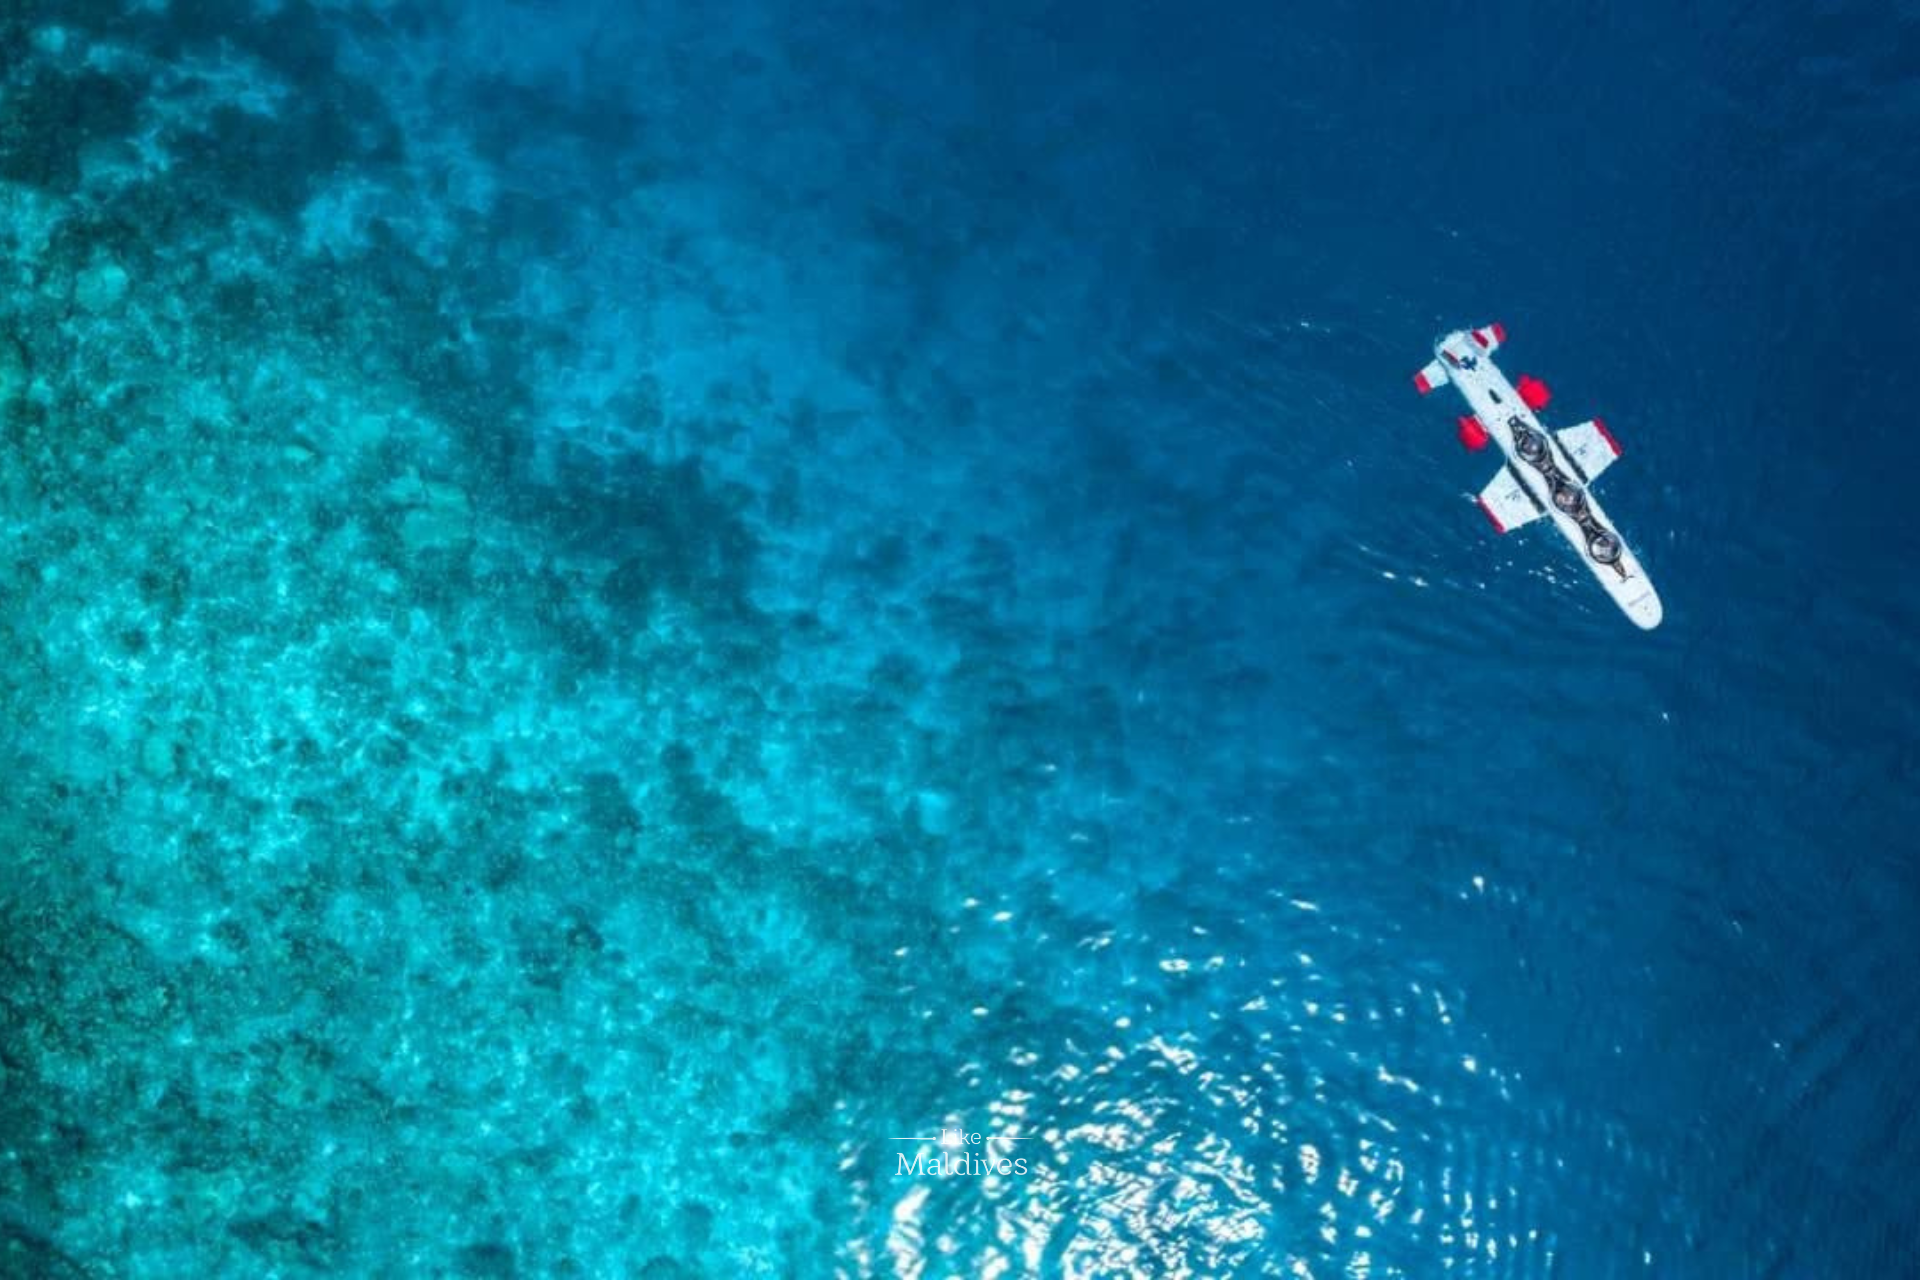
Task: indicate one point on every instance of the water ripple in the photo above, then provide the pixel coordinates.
(1331, 1118)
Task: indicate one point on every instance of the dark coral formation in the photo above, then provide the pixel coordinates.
(416, 793)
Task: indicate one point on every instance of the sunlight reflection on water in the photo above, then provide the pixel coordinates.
(1329, 1156)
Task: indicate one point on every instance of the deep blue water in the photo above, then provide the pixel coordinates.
(611, 608)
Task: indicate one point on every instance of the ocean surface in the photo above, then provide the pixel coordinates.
(615, 614)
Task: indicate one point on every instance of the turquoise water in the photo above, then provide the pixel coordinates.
(614, 615)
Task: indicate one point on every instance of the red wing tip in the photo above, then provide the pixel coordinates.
(1421, 384)
(1499, 332)
(1607, 435)
(1487, 511)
